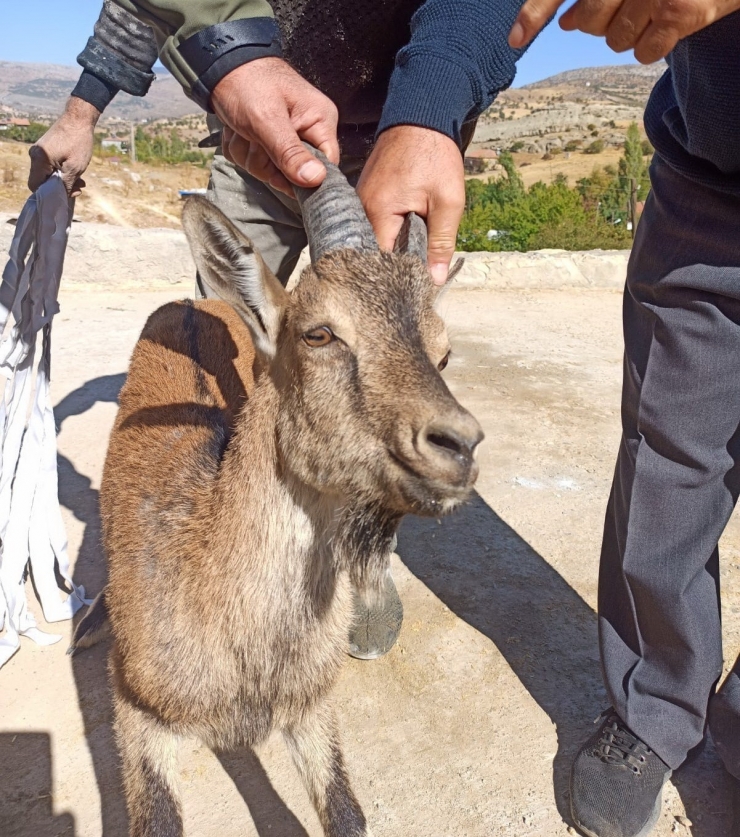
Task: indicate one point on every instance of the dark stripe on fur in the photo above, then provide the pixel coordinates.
(343, 813)
(193, 333)
(161, 815)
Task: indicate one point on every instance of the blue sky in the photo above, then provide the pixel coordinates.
(55, 31)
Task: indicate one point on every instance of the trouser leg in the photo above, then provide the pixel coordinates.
(677, 477)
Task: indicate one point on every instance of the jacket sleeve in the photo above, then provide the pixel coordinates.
(119, 56)
(457, 61)
(200, 42)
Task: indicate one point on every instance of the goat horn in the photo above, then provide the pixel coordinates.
(412, 238)
(333, 214)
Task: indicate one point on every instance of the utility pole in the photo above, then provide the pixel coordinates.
(633, 205)
(132, 144)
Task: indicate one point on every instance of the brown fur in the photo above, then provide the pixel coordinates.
(249, 478)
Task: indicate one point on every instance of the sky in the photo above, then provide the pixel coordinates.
(55, 32)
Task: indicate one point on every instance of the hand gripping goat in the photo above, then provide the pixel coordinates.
(263, 455)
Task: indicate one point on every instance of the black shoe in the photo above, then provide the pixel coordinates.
(616, 783)
(724, 721)
(375, 629)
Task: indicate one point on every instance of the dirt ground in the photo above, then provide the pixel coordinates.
(467, 728)
(117, 192)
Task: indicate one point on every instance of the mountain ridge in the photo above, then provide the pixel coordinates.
(40, 90)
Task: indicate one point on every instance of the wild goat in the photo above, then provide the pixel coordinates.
(263, 455)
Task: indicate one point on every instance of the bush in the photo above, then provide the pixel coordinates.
(30, 133)
(573, 145)
(596, 147)
(517, 146)
(542, 216)
(156, 148)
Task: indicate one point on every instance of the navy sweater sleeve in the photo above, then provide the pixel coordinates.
(456, 63)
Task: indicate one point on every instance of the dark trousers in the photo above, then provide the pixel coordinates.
(678, 472)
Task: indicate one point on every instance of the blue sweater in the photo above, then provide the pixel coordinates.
(693, 116)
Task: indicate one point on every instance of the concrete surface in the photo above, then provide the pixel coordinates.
(106, 256)
(467, 728)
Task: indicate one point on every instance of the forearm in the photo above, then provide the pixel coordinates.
(457, 61)
(201, 42)
(119, 56)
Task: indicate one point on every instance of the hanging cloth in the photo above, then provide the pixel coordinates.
(32, 535)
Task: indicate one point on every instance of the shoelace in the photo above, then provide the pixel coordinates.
(617, 745)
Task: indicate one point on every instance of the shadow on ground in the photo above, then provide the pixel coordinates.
(26, 801)
(480, 568)
(496, 582)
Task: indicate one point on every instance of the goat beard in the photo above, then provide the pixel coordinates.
(364, 541)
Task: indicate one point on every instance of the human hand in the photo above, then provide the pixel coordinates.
(417, 170)
(66, 147)
(651, 27)
(267, 109)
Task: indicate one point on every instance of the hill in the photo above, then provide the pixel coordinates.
(569, 111)
(40, 91)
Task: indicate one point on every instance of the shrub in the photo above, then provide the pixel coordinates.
(596, 147)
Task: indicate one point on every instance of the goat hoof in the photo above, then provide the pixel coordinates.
(376, 626)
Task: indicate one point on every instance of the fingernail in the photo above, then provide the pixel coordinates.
(310, 170)
(516, 36)
(439, 273)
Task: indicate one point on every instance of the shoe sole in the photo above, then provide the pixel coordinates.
(644, 831)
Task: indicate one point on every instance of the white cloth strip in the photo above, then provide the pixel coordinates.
(32, 533)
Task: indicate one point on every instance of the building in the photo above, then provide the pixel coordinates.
(479, 160)
(113, 142)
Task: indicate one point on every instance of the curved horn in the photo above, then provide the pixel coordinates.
(412, 238)
(333, 214)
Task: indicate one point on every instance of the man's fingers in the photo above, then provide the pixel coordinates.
(591, 16)
(628, 25)
(656, 42)
(289, 154)
(77, 188)
(237, 150)
(387, 227)
(443, 221)
(533, 16)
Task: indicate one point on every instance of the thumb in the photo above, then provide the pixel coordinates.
(442, 227)
(533, 16)
(294, 160)
(41, 167)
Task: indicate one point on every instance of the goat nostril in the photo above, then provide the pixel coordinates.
(454, 441)
(448, 443)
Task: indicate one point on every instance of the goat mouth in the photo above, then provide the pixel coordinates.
(429, 495)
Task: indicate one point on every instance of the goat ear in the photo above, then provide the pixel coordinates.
(455, 268)
(229, 264)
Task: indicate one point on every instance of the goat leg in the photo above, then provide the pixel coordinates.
(316, 750)
(148, 753)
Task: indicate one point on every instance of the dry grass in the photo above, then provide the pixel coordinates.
(130, 195)
(574, 166)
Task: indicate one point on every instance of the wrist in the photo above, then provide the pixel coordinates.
(82, 111)
(216, 52)
(229, 90)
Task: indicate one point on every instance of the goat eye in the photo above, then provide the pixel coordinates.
(318, 337)
(443, 363)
